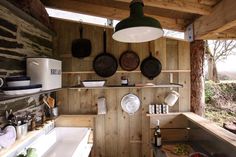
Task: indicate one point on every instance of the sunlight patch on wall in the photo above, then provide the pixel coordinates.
(78, 17)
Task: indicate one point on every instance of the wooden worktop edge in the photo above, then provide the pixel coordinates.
(211, 127)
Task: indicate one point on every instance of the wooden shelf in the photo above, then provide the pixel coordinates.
(123, 71)
(5, 98)
(170, 85)
(167, 114)
(21, 14)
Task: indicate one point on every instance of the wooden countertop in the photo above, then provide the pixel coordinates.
(211, 127)
(20, 144)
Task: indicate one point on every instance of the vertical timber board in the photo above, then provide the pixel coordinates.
(123, 126)
(172, 63)
(160, 50)
(100, 141)
(62, 96)
(184, 78)
(74, 101)
(111, 130)
(147, 96)
(171, 54)
(99, 135)
(135, 131)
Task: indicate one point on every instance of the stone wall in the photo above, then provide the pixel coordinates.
(20, 39)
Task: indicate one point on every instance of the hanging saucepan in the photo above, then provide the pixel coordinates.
(150, 66)
(105, 64)
(81, 47)
(129, 60)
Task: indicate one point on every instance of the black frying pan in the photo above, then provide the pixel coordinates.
(105, 64)
(81, 47)
(150, 66)
(129, 60)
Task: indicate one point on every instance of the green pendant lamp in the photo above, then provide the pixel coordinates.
(137, 27)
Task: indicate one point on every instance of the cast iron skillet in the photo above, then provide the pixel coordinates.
(150, 66)
(81, 47)
(129, 60)
(105, 64)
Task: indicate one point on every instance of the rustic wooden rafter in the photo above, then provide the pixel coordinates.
(178, 5)
(221, 19)
(99, 9)
(218, 16)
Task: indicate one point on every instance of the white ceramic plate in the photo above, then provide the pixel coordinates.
(21, 92)
(130, 103)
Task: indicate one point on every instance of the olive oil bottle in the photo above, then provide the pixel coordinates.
(157, 135)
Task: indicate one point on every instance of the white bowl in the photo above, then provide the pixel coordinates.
(93, 83)
(18, 83)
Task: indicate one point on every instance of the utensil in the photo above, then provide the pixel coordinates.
(129, 60)
(130, 103)
(171, 98)
(55, 111)
(50, 101)
(105, 64)
(81, 47)
(21, 130)
(45, 101)
(150, 66)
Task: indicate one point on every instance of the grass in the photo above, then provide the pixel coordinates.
(220, 99)
(219, 116)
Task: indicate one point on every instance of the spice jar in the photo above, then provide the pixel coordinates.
(124, 81)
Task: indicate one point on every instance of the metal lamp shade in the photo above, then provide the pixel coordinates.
(137, 28)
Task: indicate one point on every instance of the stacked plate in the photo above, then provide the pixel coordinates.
(20, 85)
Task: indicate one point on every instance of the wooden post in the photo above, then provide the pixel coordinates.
(197, 78)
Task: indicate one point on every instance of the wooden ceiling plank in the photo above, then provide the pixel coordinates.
(222, 18)
(178, 5)
(109, 12)
(204, 2)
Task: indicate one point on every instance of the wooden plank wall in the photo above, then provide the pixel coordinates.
(18, 40)
(117, 133)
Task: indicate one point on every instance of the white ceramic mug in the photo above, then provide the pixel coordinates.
(1, 82)
(171, 98)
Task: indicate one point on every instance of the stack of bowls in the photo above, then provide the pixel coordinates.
(18, 85)
(18, 81)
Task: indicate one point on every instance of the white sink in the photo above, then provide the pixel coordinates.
(64, 142)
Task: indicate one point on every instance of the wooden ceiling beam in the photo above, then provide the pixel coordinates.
(177, 5)
(221, 36)
(110, 12)
(222, 18)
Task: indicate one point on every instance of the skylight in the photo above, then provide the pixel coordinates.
(99, 20)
